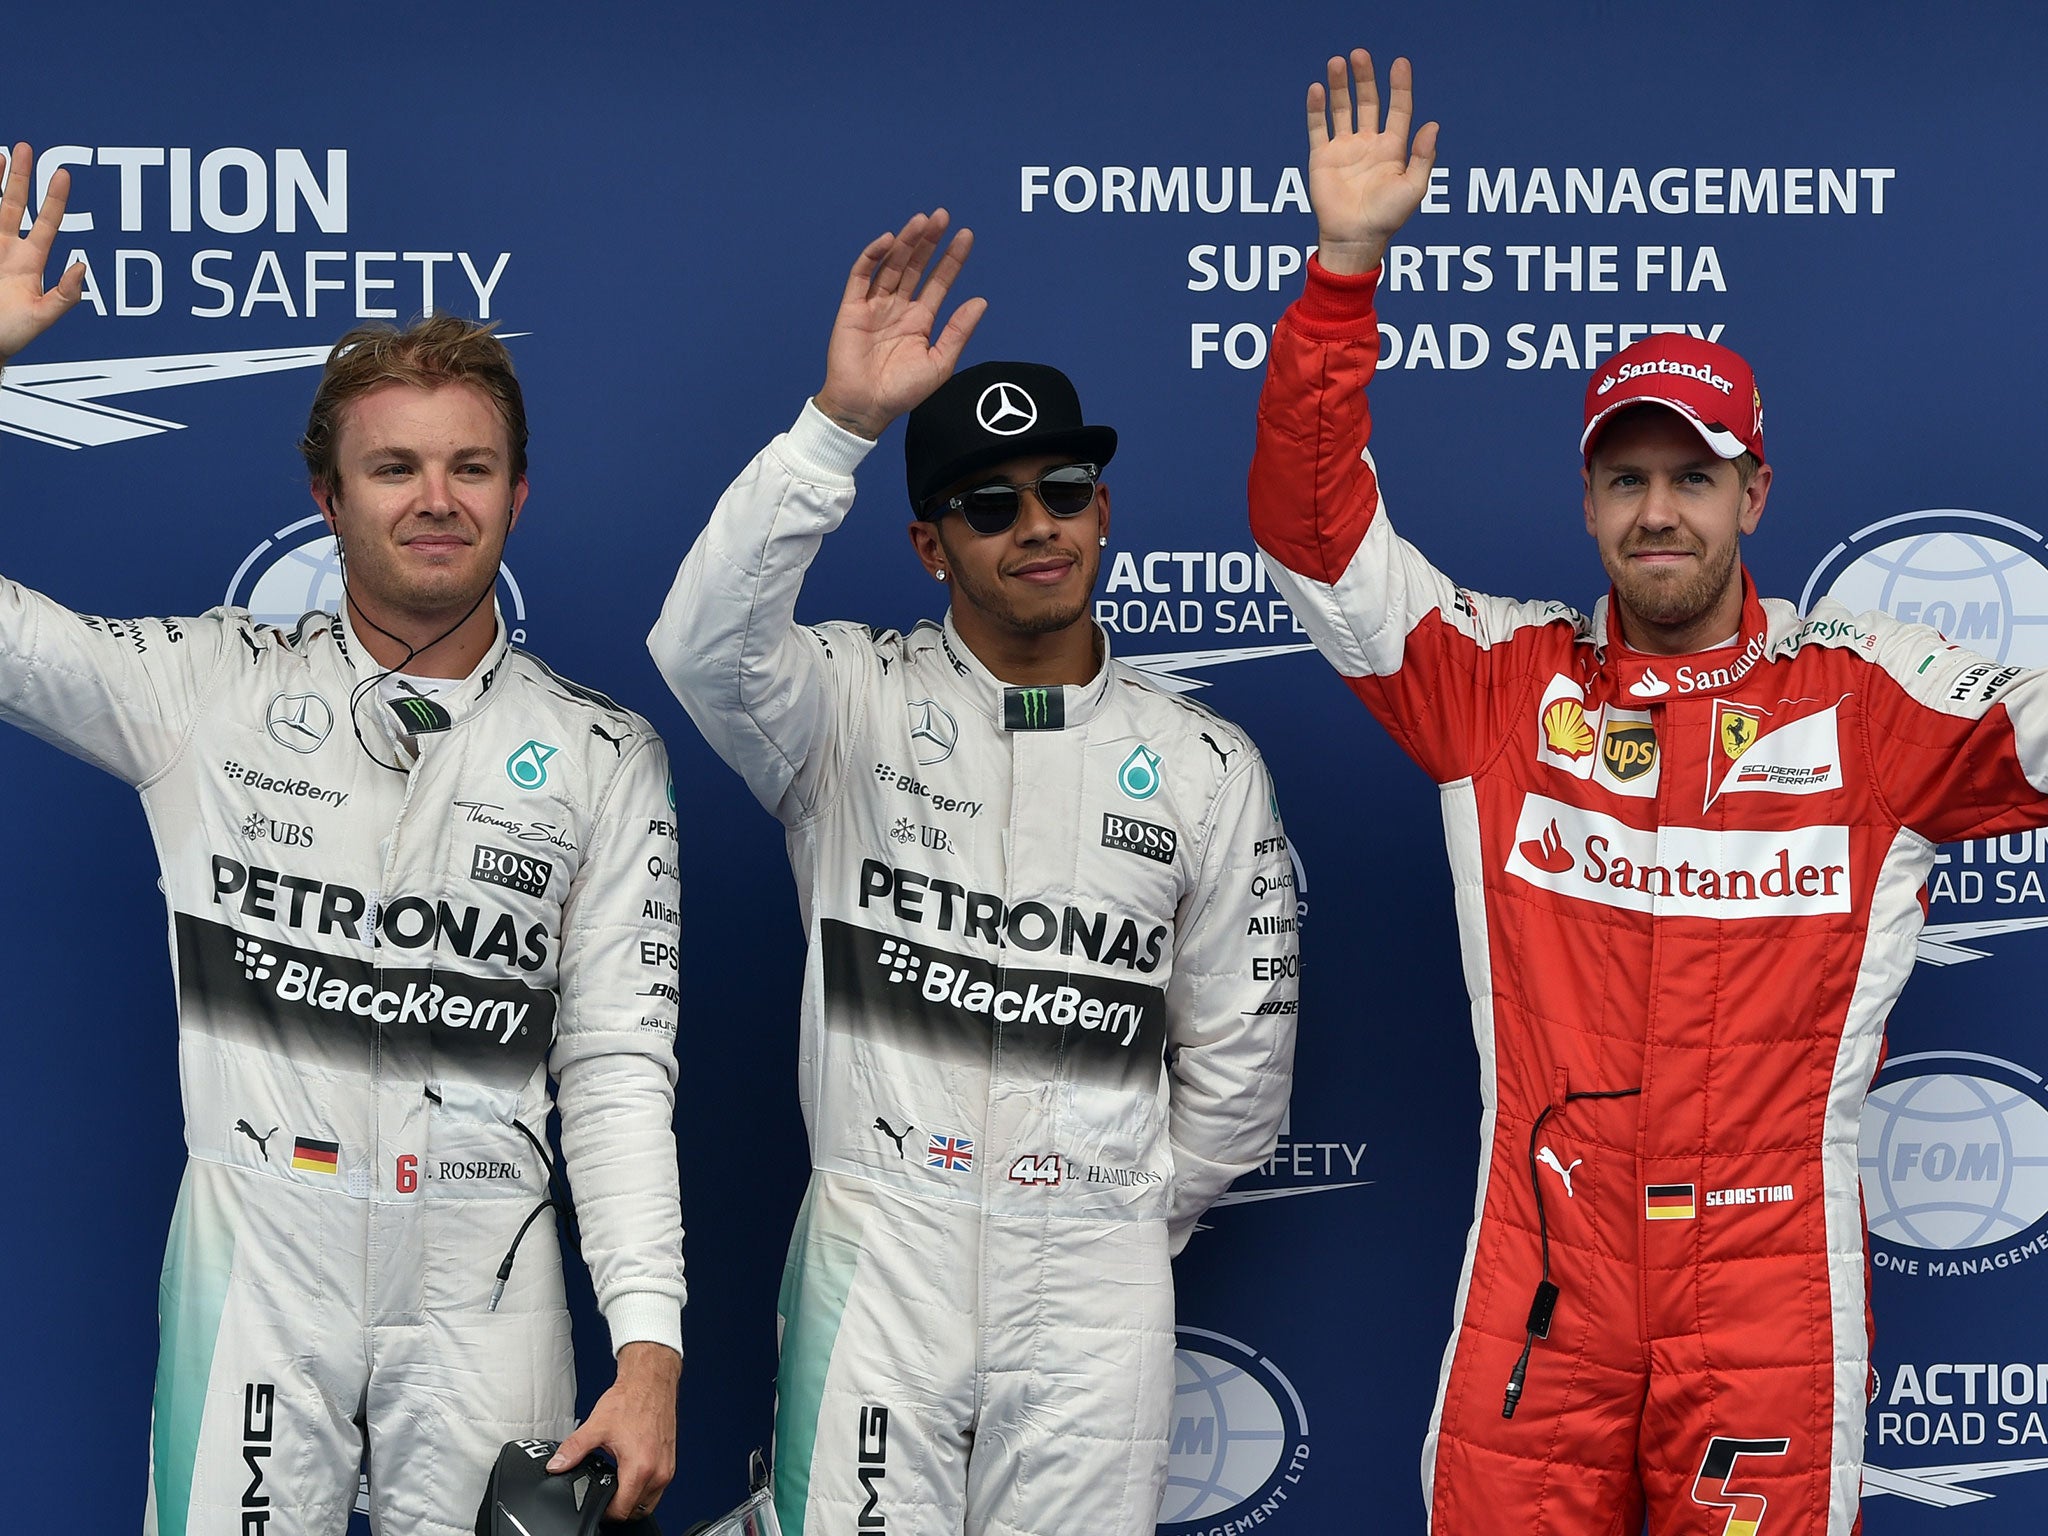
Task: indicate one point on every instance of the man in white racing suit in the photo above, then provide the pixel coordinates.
(410, 873)
(1049, 1003)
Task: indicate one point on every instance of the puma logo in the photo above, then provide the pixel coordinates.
(1546, 1156)
(1219, 751)
(262, 1142)
(895, 1136)
(618, 742)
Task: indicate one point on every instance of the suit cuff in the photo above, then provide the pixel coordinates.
(636, 1317)
(1336, 305)
(820, 449)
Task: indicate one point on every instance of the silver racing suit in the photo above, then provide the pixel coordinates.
(1048, 1016)
(377, 971)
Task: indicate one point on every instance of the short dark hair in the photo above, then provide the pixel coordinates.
(440, 349)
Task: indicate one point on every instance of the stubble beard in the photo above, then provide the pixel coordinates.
(1665, 603)
(997, 604)
(424, 599)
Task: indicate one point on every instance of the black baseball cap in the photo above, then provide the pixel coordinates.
(990, 413)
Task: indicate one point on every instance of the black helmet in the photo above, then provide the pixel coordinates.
(523, 1497)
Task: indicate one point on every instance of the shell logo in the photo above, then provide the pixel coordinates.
(1566, 730)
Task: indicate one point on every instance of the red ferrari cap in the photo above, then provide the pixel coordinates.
(1705, 382)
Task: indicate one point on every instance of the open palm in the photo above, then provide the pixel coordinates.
(882, 359)
(27, 309)
(1364, 181)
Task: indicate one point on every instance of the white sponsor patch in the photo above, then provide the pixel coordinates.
(1566, 732)
(1803, 758)
(1680, 871)
(1615, 748)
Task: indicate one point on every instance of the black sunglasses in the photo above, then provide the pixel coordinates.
(1066, 491)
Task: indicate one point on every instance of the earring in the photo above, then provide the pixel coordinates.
(1103, 540)
(939, 574)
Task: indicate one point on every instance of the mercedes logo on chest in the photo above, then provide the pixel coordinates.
(1006, 410)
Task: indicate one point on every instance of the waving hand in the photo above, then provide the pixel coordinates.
(1364, 181)
(882, 360)
(26, 308)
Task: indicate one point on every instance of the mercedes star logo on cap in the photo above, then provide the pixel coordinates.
(1006, 410)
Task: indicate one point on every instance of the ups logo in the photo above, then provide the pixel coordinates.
(1629, 749)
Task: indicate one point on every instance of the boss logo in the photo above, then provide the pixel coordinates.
(1146, 839)
(520, 872)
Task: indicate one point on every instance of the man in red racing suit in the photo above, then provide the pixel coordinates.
(1688, 836)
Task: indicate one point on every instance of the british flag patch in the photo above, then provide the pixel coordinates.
(955, 1154)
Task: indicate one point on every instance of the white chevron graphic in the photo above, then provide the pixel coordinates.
(1943, 1486)
(1942, 943)
(58, 403)
(1166, 667)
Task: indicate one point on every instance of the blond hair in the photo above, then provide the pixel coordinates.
(440, 349)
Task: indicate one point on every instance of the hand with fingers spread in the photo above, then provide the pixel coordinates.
(27, 309)
(882, 360)
(1364, 181)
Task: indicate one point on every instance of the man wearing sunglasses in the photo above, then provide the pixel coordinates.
(1049, 1002)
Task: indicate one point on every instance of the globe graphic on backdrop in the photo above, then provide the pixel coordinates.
(1980, 580)
(298, 581)
(1228, 1439)
(1952, 1160)
(297, 570)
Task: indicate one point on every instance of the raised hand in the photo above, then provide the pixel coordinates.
(27, 309)
(882, 359)
(1363, 181)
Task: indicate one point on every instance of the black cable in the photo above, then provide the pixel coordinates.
(556, 1199)
(505, 1269)
(1544, 1307)
(412, 652)
(557, 1186)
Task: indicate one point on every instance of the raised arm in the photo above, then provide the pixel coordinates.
(1419, 651)
(759, 687)
(117, 692)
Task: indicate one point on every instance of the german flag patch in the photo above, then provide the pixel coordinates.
(310, 1156)
(1669, 1202)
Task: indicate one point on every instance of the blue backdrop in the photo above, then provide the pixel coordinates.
(662, 202)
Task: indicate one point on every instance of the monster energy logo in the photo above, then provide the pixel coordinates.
(1034, 709)
(420, 715)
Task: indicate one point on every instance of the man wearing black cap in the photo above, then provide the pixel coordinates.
(1049, 1003)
